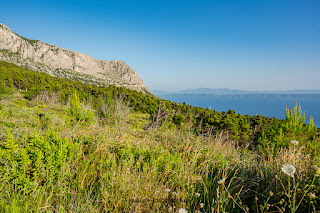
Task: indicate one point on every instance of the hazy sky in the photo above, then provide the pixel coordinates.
(173, 45)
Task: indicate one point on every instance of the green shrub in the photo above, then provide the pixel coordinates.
(33, 161)
(4, 89)
(77, 112)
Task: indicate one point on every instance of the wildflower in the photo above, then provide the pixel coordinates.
(294, 142)
(317, 171)
(167, 190)
(281, 202)
(197, 194)
(222, 181)
(311, 196)
(201, 205)
(182, 210)
(175, 193)
(288, 170)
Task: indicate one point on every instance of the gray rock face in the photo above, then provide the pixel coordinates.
(57, 61)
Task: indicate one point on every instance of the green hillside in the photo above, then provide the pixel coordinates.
(66, 146)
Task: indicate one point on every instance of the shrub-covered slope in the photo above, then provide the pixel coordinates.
(203, 121)
(71, 147)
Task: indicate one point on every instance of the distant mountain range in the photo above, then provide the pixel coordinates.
(225, 91)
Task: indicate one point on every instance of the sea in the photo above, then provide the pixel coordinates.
(270, 105)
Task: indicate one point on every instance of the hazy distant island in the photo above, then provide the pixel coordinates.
(226, 91)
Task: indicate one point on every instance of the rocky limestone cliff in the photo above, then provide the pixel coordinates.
(39, 56)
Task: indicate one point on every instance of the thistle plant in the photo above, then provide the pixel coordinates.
(291, 191)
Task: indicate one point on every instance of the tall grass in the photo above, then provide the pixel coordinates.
(103, 162)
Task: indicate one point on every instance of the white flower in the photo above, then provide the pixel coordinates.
(201, 205)
(175, 193)
(294, 142)
(197, 194)
(182, 211)
(288, 170)
(167, 190)
(311, 195)
(221, 181)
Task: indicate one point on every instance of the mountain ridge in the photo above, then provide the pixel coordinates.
(57, 61)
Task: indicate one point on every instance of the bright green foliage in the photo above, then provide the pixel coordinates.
(77, 112)
(293, 128)
(295, 123)
(33, 161)
(4, 89)
(57, 154)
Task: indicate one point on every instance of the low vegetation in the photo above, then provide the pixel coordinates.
(70, 147)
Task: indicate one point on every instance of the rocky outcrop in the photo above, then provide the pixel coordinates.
(39, 56)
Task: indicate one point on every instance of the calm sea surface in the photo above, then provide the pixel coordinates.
(265, 105)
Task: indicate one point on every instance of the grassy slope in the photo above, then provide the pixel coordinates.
(68, 156)
(64, 158)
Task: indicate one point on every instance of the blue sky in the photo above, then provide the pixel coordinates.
(173, 45)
